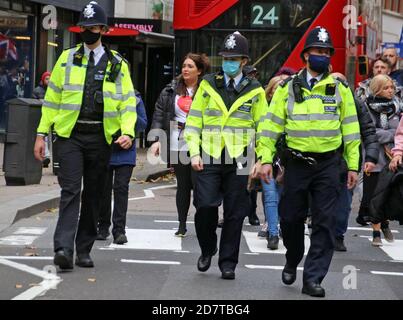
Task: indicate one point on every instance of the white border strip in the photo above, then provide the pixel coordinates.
(253, 266)
(384, 273)
(151, 262)
(50, 280)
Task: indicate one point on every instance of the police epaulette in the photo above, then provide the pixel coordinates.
(285, 81)
(119, 56)
(343, 82)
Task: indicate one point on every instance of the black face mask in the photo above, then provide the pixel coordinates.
(90, 37)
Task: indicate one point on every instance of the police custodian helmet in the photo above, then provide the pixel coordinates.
(93, 15)
(235, 45)
(318, 38)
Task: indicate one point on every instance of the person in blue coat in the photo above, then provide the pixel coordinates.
(120, 171)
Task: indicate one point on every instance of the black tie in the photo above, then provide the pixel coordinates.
(231, 86)
(91, 60)
(313, 82)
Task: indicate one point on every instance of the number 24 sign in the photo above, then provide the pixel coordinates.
(265, 15)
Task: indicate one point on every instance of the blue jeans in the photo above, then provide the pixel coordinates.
(343, 211)
(270, 198)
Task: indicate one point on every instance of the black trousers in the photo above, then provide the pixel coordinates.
(82, 157)
(118, 179)
(185, 177)
(322, 183)
(218, 182)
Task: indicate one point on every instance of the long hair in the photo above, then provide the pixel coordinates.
(202, 64)
(378, 83)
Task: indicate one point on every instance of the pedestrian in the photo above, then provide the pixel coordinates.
(39, 93)
(90, 98)
(222, 123)
(370, 155)
(169, 120)
(318, 115)
(118, 179)
(271, 190)
(396, 74)
(385, 115)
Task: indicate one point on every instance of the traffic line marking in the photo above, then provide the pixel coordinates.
(29, 230)
(17, 240)
(172, 221)
(149, 194)
(254, 266)
(50, 280)
(25, 258)
(256, 244)
(150, 239)
(384, 273)
(367, 229)
(151, 262)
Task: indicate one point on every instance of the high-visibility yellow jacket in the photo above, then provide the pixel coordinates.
(325, 119)
(64, 97)
(211, 126)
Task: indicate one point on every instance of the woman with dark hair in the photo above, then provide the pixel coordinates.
(169, 121)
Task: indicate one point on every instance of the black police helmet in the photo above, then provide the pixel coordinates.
(235, 45)
(318, 38)
(93, 15)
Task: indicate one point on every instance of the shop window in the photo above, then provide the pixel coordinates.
(5, 4)
(16, 58)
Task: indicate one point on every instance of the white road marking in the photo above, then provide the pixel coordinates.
(388, 273)
(253, 266)
(25, 258)
(256, 245)
(150, 194)
(252, 253)
(394, 249)
(50, 280)
(150, 239)
(29, 230)
(182, 251)
(171, 221)
(367, 229)
(151, 262)
(17, 240)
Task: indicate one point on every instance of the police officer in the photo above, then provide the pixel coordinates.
(318, 115)
(90, 101)
(221, 124)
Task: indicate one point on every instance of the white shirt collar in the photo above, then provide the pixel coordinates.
(237, 79)
(98, 52)
(309, 77)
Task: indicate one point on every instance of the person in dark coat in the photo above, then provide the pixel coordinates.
(120, 171)
(385, 114)
(169, 121)
(40, 91)
(370, 154)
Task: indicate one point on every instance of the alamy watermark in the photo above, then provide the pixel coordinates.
(350, 280)
(49, 21)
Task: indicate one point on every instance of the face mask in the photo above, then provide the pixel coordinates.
(319, 64)
(90, 37)
(231, 68)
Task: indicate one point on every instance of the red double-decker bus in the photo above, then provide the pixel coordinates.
(277, 29)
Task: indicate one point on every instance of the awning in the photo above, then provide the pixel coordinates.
(113, 31)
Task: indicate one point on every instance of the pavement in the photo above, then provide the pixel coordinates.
(19, 202)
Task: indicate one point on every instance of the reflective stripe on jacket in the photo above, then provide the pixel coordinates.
(321, 123)
(211, 126)
(64, 97)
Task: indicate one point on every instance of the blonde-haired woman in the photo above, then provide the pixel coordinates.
(385, 113)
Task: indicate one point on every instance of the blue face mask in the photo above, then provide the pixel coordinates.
(319, 64)
(231, 68)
